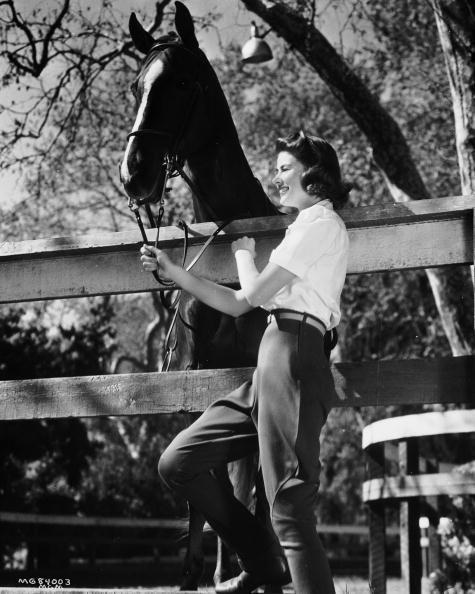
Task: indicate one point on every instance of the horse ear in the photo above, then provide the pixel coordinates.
(184, 26)
(142, 39)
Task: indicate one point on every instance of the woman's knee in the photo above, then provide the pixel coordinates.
(169, 467)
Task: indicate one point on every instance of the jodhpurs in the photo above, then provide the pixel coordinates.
(281, 412)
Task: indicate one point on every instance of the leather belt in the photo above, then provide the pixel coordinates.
(298, 316)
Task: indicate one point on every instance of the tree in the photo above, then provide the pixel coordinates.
(456, 26)
(61, 130)
(43, 461)
(75, 466)
(296, 24)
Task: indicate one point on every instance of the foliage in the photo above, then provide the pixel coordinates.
(91, 466)
(71, 347)
(121, 479)
(43, 461)
(458, 552)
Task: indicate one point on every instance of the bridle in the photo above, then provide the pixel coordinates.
(173, 165)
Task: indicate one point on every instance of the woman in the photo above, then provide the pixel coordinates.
(282, 411)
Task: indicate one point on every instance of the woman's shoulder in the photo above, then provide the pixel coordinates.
(316, 215)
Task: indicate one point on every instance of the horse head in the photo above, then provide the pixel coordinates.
(175, 94)
(183, 117)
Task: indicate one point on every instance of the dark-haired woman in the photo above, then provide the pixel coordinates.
(282, 411)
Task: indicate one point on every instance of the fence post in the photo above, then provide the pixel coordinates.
(411, 565)
(377, 524)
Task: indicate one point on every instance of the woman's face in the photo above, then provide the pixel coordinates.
(287, 181)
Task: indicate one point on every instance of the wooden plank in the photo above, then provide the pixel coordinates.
(29, 519)
(409, 235)
(366, 216)
(375, 383)
(94, 522)
(377, 525)
(419, 425)
(87, 539)
(411, 567)
(422, 485)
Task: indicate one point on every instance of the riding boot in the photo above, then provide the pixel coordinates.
(271, 569)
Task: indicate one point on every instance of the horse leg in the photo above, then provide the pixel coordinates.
(193, 566)
(224, 555)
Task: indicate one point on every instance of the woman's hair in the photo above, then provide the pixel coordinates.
(322, 174)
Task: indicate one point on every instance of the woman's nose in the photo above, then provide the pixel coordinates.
(276, 179)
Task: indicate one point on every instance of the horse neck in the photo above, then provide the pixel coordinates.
(225, 181)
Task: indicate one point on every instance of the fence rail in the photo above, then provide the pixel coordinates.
(22, 519)
(418, 234)
(374, 383)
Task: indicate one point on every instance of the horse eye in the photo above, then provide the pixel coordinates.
(181, 83)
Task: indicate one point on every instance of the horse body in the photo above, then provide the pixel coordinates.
(182, 110)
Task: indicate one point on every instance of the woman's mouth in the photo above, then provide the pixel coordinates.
(283, 190)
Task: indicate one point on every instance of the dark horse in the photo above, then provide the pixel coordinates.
(182, 111)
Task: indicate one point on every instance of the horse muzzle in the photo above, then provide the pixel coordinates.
(142, 173)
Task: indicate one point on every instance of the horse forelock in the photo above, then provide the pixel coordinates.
(159, 60)
(171, 40)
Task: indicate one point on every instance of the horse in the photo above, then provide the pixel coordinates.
(182, 112)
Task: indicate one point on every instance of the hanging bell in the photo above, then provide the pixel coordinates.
(255, 50)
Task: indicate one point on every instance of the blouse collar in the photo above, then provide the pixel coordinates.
(315, 211)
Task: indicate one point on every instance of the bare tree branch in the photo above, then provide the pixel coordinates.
(390, 149)
(31, 45)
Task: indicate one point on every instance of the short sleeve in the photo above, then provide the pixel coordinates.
(304, 244)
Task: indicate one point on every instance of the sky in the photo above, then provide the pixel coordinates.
(234, 25)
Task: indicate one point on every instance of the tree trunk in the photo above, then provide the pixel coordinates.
(456, 25)
(390, 149)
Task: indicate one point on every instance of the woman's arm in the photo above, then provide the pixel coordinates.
(224, 299)
(256, 288)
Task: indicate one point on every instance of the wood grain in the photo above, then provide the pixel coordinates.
(380, 383)
(418, 234)
(421, 485)
(419, 425)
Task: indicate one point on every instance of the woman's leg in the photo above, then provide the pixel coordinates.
(295, 388)
(224, 432)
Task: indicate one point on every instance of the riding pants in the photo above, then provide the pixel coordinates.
(280, 413)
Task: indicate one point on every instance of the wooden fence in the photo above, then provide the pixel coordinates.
(417, 234)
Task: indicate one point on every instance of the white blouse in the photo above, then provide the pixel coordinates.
(315, 249)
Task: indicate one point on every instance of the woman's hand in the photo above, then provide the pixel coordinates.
(244, 243)
(153, 258)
